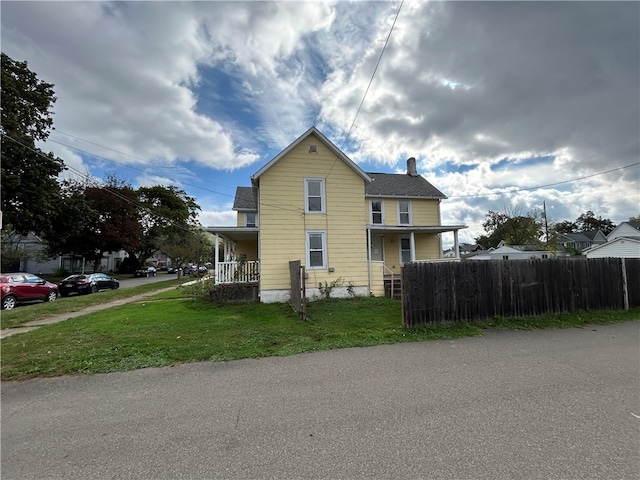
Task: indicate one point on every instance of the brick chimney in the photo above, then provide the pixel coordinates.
(411, 167)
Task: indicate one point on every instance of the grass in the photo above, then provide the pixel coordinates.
(168, 329)
(38, 311)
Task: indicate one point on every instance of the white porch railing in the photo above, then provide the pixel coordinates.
(238, 272)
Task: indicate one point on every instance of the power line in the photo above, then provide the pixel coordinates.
(544, 186)
(364, 96)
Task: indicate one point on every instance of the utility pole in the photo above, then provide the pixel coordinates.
(546, 223)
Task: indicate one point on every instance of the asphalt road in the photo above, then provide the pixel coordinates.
(509, 405)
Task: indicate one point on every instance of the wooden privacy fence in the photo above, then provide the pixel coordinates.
(478, 290)
(298, 288)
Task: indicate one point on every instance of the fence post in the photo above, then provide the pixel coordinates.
(625, 289)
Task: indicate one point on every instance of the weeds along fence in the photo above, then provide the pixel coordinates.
(479, 290)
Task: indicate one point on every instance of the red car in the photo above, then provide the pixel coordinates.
(24, 287)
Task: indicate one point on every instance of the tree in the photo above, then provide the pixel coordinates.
(29, 176)
(511, 226)
(188, 245)
(588, 221)
(565, 227)
(164, 213)
(109, 219)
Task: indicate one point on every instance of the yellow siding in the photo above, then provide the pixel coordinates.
(283, 221)
(240, 219)
(427, 246)
(248, 248)
(423, 212)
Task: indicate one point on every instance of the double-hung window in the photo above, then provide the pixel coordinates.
(250, 219)
(404, 212)
(316, 249)
(314, 197)
(377, 213)
(405, 249)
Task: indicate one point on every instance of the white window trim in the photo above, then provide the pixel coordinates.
(246, 220)
(308, 249)
(400, 238)
(409, 211)
(371, 211)
(323, 197)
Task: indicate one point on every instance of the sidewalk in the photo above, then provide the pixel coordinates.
(27, 327)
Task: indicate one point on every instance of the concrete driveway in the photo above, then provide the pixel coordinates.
(527, 405)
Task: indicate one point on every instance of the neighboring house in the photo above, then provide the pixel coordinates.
(625, 229)
(622, 242)
(32, 252)
(465, 250)
(510, 252)
(347, 227)
(580, 241)
(35, 259)
(621, 247)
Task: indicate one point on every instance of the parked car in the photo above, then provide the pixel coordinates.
(194, 270)
(87, 283)
(24, 287)
(145, 272)
(173, 269)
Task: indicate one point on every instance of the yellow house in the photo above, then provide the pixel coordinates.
(349, 228)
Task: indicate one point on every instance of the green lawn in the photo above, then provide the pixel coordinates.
(168, 329)
(38, 311)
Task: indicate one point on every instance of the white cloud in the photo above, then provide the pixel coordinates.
(460, 84)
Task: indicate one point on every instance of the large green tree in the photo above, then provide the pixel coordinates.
(109, 219)
(511, 226)
(28, 176)
(588, 221)
(164, 213)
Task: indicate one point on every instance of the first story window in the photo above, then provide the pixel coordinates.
(316, 249)
(250, 219)
(405, 249)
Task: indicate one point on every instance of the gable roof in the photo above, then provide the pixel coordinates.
(400, 185)
(326, 142)
(245, 200)
(612, 244)
(588, 236)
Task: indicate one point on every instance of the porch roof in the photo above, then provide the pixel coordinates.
(235, 233)
(415, 228)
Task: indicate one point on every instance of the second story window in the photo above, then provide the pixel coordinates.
(376, 212)
(314, 195)
(404, 212)
(250, 220)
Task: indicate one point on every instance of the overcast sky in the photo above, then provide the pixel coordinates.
(504, 104)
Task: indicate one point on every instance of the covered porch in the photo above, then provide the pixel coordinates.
(236, 254)
(389, 247)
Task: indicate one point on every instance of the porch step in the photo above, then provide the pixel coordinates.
(394, 286)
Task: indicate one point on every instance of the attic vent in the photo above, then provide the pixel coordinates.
(313, 148)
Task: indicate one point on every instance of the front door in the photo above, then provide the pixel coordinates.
(377, 250)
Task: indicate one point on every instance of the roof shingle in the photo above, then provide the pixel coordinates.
(401, 185)
(245, 200)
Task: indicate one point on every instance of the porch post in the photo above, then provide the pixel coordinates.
(412, 239)
(217, 257)
(456, 246)
(369, 249)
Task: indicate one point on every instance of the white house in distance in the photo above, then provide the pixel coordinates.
(622, 242)
(510, 252)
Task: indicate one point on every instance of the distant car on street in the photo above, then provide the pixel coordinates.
(194, 270)
(145, 272)
(87, 283)
(24, 287)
